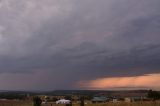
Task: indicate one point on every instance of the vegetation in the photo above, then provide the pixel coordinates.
(82, 101)
(15, 103)
(37, 101)
(30, 103)
(17, 99)
(68, 97)
(12, 96)
(155, 95)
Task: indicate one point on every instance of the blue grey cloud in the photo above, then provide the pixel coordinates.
(69, 41)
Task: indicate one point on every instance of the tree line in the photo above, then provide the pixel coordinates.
(155, 95)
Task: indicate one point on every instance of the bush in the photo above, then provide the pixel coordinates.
(153, 95)
(37, 101)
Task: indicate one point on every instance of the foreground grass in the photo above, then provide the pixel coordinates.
(15, 103)
(122, 104)
(29, 103)
(128, 104)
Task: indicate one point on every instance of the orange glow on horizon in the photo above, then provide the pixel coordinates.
(146, 81)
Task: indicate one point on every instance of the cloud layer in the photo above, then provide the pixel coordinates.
(52, 41)
(114, 83)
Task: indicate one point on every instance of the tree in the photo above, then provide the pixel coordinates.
(37, 101)
(153, 95)
(68, 97)
(82, 101)
(54, 99)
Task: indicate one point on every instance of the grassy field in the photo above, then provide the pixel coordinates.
(15, 103)
(29, 103)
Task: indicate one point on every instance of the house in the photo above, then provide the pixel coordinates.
(115, 100)
(63, 101)
(127, 100)
(99, 99)
(133, 99)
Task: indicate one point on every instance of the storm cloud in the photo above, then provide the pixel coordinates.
(48, 41)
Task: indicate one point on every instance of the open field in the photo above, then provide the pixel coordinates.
(122, 104)
(128, 104)
(15, 103)
(29, 103)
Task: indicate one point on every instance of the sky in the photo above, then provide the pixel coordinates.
(79, 44)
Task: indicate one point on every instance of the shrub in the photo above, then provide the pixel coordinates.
(37, 101)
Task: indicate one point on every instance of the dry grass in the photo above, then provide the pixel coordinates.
(15, 103)
(128, 104)
(29, 103)
(121, 104)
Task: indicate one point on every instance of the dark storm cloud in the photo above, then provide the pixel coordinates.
(69, 41)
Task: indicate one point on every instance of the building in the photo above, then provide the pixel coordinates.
(63, 101)
(99, 99)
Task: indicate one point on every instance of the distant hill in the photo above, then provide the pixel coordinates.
(120, 93)
(98, 92)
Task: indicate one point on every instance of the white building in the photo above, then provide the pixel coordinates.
(63, 101)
